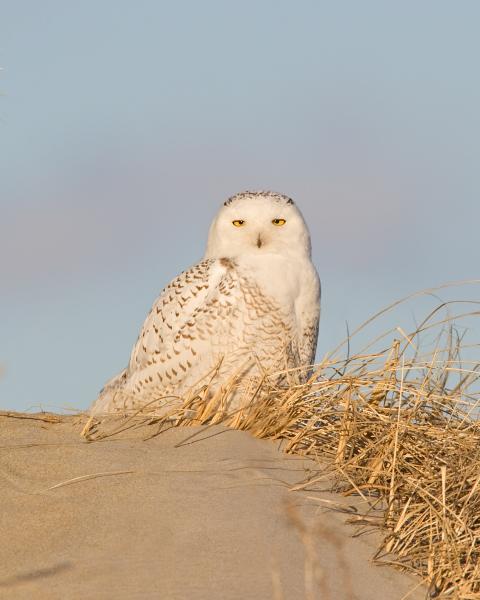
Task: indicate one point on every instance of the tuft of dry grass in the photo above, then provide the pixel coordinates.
(398, 426)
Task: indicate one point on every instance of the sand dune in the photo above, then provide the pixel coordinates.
(205, 517)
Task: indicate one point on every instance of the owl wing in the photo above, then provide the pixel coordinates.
(308, 343)
(309, 317)
(190, 324)
(182, 305)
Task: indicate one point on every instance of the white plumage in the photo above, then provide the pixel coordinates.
(252, 305)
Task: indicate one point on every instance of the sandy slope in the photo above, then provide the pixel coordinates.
(205, 518)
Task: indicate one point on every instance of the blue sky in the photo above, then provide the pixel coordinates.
(123, 127)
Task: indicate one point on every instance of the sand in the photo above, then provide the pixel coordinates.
(211, 516)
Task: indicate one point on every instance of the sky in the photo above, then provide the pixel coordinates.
(125, 125)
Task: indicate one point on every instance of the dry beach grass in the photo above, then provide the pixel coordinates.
(397, 425)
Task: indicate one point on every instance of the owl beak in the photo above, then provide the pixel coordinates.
(259, 241)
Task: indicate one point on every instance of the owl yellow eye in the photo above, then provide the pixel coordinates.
(279, 222)
(238, 222)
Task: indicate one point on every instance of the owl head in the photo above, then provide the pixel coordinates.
(258, 223)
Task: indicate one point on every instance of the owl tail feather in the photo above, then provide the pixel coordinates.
(105, 401)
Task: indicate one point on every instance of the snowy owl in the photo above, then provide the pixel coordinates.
(250, 307)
